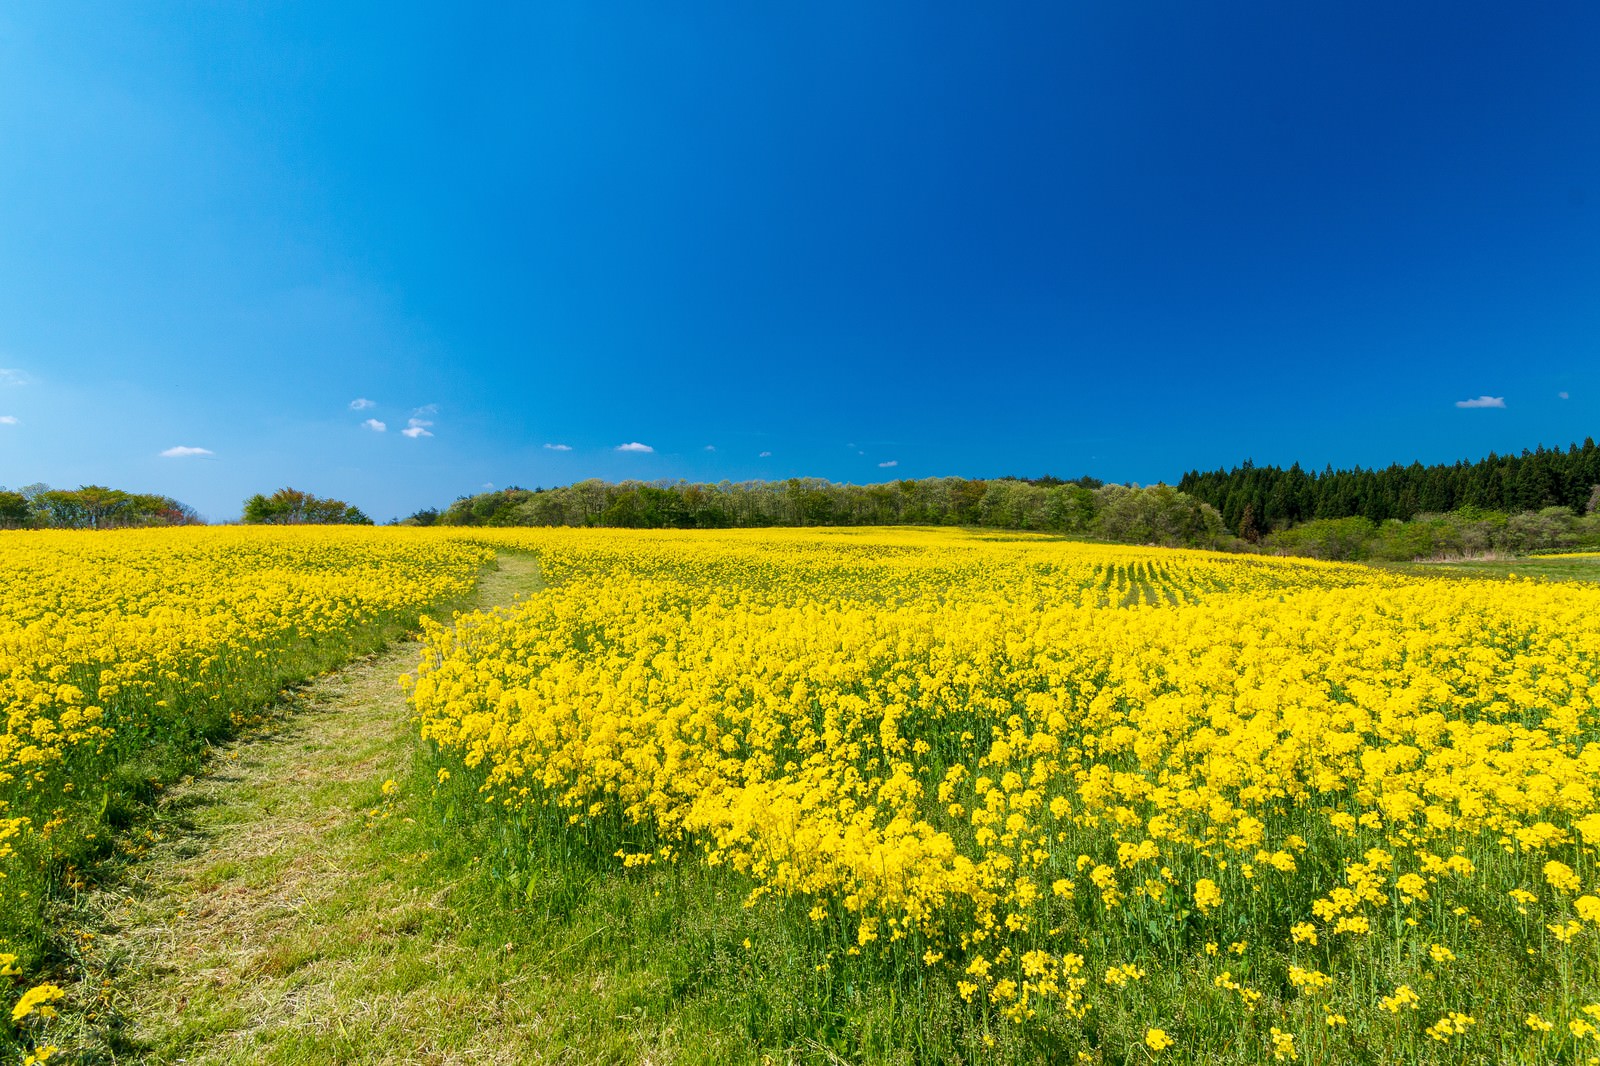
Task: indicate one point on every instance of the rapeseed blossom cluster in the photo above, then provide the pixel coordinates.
(115, 644)
(1016, 763)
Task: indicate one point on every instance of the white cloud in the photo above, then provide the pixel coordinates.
(1483, 401)
(416, 427)
(764, 455)
(374, 425)
(14, 377)
(559, 447)
(183, 452)
(9, 420)
(1564, 394)
(361, 404)
(426, 409)
(635, 446)
(487, 486)
(711, 447)
(886, 465)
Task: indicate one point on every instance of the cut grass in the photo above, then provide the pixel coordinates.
(1550, 567)
(266, 886)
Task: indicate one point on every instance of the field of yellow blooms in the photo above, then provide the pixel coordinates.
(123, 654)
(1126, 804)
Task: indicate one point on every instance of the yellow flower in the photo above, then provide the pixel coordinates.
(37, 999)
(1560, 877)
(1157, 1039)
(1403, 998)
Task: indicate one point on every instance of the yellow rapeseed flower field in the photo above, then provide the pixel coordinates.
(1289, 810)
(123, 653)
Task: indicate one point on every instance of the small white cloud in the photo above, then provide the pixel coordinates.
(417, 428)
(559, 447)
(886, 465)
(635, 446)
(487, 486)
(426, 409)
(361, 404)
(764, 455)
(1564, 394)
(14, 377)
(9, 420)
(184, 452)
(1483, 401)
(374, 425)
(711, 447)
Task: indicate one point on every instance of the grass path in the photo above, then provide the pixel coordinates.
(284, 914)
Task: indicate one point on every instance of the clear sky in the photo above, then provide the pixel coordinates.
(252, 245)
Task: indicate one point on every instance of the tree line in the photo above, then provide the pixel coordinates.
(1159, 514)
(1256, 500)
(89, 507)
(39, 506)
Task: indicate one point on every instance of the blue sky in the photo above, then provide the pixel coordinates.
(855, 241)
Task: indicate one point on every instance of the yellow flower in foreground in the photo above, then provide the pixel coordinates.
(1560, 877)
(1403, 997)
(37, 999)
(1157, 1039)
(1538, 1024)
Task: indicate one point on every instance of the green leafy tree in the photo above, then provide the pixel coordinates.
(291, 507)
(15, 512)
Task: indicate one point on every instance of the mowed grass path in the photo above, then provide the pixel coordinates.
(279, 919)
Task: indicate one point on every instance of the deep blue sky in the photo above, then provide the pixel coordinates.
(1123, 239)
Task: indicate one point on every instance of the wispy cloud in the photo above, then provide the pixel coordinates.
(183, 451)
(1483, 401)
(635, 446)
(9, 420)
(14, 377)
(416, 427)
(374, 425)
(764, 455)
(361, 403)
(559, 447)
(711, 447)
(425, 410)
(886, 465)
(1564, 394)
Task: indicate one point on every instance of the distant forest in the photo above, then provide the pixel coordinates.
(1544, 500)
(1255, 500)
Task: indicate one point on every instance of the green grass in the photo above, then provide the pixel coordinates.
(109, 830)
(1549, 567)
